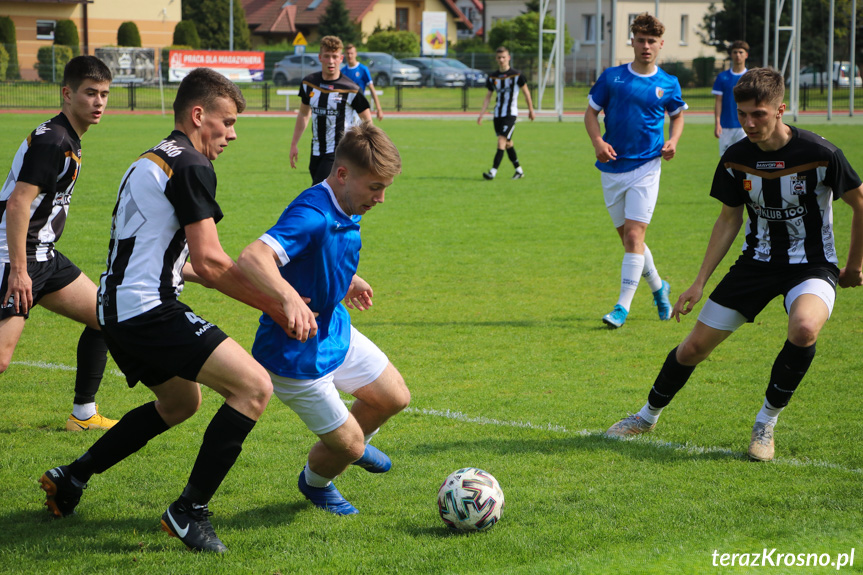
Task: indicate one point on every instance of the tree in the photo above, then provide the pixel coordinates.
(51, 61)
(66, 34)
(211, 19)
(10, 42)
(128, 35)
(520, 35)
(4, 63)
(336, 21)
(186, 34)
(403, 43)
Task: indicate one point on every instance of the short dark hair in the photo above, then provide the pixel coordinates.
(202, 87)
(739, 45)
(367, 147)
(764, 85)
(648, 25)
(501, 50)
(82, 68)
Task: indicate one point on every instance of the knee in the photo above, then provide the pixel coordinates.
(692, 352)
(258, 393)
(400, 398)
(176, 412)
(804, 333)
(4, 364)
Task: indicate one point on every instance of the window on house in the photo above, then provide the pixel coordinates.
(587, 23)
(684, 29)
(402, 18)
(45, 29)
(629, 20)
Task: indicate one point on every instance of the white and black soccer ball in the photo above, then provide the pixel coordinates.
(470, 499)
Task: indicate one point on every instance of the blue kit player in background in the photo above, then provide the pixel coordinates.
(727, 126)
(635, 98)
(362, 77)
(311, 256)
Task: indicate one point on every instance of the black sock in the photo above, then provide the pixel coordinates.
(497, 159)
(672, 377)
(510, 152)
(223, 442)
(129, 435)
(92, 357)
(788, 370)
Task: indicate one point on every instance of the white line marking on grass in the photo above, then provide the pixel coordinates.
(459, 416)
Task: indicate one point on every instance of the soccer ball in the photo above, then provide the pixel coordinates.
(470, 499)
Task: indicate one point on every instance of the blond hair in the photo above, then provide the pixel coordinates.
(367, 147)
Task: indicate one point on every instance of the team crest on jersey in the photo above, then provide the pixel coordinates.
(42, 129)
(659, 92)
(780, 165)
(311, 93)
(327, 86)
(798, 185)
(747, 185)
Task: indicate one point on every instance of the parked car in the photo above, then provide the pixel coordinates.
(292, 69)
(386, 70)
(472, 76)
(437, 74)
(815, 76)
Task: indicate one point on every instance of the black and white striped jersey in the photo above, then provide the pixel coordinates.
(507, 85)
(49, 158)
(331, 102)
(170, 186)
(788, 195)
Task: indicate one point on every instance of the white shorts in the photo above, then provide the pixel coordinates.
(727, 319)
(632, 195)
(317, 401)
(729, 136)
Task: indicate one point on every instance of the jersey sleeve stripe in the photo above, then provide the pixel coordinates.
(160, 163)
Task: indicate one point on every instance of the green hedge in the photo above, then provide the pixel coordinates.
(51, 61)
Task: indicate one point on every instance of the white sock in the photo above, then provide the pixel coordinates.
(649, 413)
(315, 480)
(372, 434)
(519, 170)
(630, 272)
(768, 414)
(493, 171)
(649, 271)
(84, 411)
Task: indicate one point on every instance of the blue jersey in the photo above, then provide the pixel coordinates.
(318, 248)
(724, 86)
(359, 74)
(635, 107)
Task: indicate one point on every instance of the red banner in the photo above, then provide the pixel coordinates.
(236, 66)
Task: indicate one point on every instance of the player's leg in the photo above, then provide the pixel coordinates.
(809, 305)
(500, 131)
(511, 154)
(11, 323)
(77, 300)
(715, 323)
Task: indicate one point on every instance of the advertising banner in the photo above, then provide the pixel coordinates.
(235, 66)
(130, 65)
(434, 34)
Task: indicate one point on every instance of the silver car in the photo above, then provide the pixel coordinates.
(816, 76)
(472, 76)
(292, 69)
(436, 73)
(386, 70)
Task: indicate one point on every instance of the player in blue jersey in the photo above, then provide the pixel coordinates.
(312, 254)
(362, 77)
(727, 127)
(635, 98)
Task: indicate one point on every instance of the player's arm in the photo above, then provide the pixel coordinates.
(261, 265)
(675, 130)
(303, 117)
(359, 294)
(851, 275)
(526, 91)
(17, 222)
(366, 115)
(378, 110)
(215, 268)
(721, 239)
(717, 112)
(485, 104)
(604, 151)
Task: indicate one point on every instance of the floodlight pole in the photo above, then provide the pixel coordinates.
(765, 57)
(853, 59)
(830, 62)
(231, 25)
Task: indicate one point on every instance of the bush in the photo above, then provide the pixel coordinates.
(679, 69)
(66, 34)
(128, 35)
(51, 60)
(705, 68)
(403, 43)
(10, 43)
(4, 63)
(185, 34)
(475, 45)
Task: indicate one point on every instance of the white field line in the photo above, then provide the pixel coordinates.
(464, 418)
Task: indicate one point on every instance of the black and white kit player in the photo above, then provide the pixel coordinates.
(34, 206)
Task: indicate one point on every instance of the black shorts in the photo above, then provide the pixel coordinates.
(165, 342)
(505, 126)
(320, 167)
(47, 277)
(749, 286)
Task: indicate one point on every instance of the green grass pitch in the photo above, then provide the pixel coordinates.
(488, 298)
